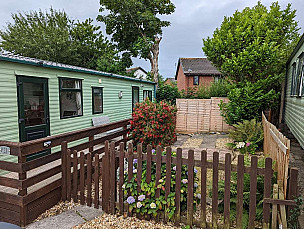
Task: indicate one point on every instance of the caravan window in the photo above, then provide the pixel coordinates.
(70, 97)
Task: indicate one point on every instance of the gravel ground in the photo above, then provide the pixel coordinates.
(192, 143)
(113, 221)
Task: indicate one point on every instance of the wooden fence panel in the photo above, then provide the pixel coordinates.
(277, 146)
(200, 115)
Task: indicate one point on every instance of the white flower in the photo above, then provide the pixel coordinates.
(152, 205)
(240, 145)
(195, 185)
(161, 181)
(134, 170)
(198, 196)
(184, 181)
(174, 168)
(138, 204)
(123, 186)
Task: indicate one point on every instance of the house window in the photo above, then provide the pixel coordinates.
(299, 76)
(195, 80)
(148, 94)
(70, 91)
(97, 93)
(293, 80)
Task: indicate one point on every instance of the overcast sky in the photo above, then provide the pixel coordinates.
(191, 21)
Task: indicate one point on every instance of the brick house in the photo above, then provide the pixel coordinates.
(192, 72)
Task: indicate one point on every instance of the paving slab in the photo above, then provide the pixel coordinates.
(65, 220)
(88, 213)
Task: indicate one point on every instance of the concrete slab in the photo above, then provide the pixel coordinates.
(65, 220)
(88, 213)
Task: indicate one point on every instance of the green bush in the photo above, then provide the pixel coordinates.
(215, 89)
(248, 100)
(247, 136)
(167, 93)
(145, 202)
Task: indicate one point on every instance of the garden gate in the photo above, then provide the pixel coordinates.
(100, 181)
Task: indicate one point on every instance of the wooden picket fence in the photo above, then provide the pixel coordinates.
(277, 146)
(83, 173)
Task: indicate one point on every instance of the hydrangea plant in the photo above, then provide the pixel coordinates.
(145, 202)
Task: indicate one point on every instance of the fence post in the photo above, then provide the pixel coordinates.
(68, 175)
(178, 178)
(215, 188)
(91, 138)
(293, 186)
(267, 192)
(190, 187)
(227, 191)
(168, 177)
(253, 189)
(203, 187)
(64, 148)
(112, 178)
(240, 188)
(130, 168)
(121, 176)
(22, 191)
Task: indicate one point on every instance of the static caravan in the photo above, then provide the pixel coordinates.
(41, 98)
(293, 109)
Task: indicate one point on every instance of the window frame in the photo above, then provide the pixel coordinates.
(93, 106)
(299, 75)
(148, 92)
(70, 90)
(194, 80)
(135, 87)
(293, 87)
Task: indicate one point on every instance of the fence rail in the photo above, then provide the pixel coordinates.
(84, 172)
(34, 186)
(277, 146)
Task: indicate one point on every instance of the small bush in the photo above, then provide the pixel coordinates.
(247, 136)
(215, 89)
(153, 123)
(145, 202)
(167, 93)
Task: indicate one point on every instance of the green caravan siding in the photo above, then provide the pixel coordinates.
(294, 106)
(115, 108)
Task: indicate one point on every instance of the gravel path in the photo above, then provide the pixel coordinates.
(107, 221)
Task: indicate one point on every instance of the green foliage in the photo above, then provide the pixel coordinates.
(150, 204)
(216, 89)
(167, 93)
(247, 100)
(136, 27)
(247, 135)
(253, 43)
(53, 36)
(153, 123)
(295, 213)
(246, 193)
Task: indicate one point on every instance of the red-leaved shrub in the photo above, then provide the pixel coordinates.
(153, 123)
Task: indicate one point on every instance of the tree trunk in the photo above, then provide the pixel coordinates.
(154, 59)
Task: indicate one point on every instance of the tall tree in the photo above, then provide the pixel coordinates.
(136, 27)
(254, 43)
(52, 35)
